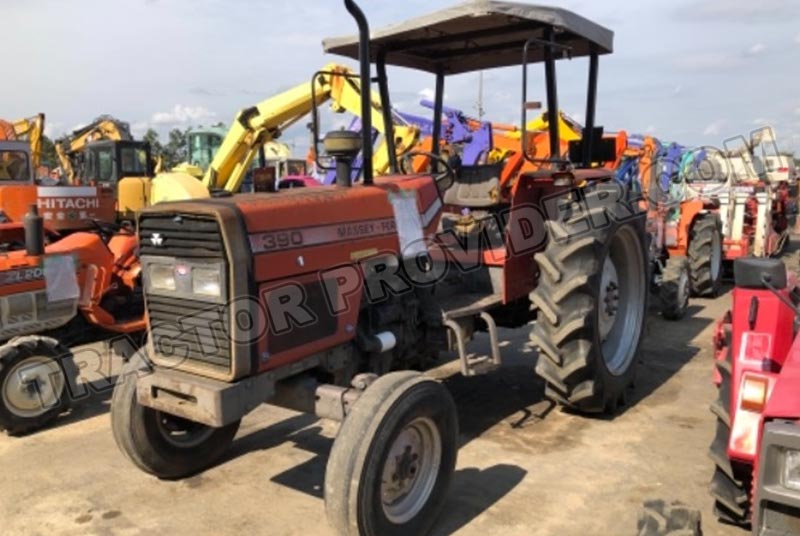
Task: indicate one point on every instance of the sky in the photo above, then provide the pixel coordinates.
(692, 71)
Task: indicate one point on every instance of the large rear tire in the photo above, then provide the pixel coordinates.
(163, 445)
(591, 300)
(393, 459)
(731, 480)
(35, 378)
(706, 255)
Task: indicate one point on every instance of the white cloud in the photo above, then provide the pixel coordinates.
(797, 111)
(650, 129)
(714, 128)
(427, 94)
(760, 122)
(756, 49)
(797, 39)
(678, 90)
(53, 130)
(182, 114)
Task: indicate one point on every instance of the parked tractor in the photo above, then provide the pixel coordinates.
(329, 300)
(48, 294)
(756, 449)
(730, 208)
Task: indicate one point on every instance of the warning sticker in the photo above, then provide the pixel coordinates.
(61, 278)
(409, 224)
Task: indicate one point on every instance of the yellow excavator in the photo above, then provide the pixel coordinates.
(264, 122)
(105, 154)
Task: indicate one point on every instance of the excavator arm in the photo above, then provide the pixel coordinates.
(104, 127)
(32, 130)
(264, 122)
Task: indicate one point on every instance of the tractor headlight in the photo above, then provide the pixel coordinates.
(161, 277)
(206, 282)
(791, 469)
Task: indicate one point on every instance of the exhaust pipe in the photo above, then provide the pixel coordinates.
(366, 78)
(33, 225)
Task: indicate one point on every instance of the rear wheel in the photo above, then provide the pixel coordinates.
(35, 376)
(591, 300)
(705, 255)
(674, 290)
(393, 459)
(731, 480)
(158, 443)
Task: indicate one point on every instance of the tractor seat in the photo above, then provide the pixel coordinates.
(475, 187)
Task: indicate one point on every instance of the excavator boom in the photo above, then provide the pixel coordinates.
(32, 130)
(264, 122)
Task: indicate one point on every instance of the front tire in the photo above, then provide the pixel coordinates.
(35, 377)
(675, 288)
(163, 445)
(393, 458)
(730, 483)
(591, 300)
(705, 255)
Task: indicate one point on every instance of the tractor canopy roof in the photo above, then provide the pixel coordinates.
(476, 35)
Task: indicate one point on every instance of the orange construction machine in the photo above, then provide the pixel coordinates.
(89, 277)
(64, 208)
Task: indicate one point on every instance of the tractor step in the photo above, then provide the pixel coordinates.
(459, 315)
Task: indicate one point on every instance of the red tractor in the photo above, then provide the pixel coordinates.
(756, 449)
(328, 300)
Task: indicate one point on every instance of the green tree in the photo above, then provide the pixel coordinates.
(151, 136)
(49, 157)
(175, 151)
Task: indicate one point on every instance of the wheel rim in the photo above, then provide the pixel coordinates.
(182, 433)
(621, 306)
(716, 255)
(33, 387)
(411, 470)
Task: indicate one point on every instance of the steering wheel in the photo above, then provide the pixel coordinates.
(107, 230)
(444, 180)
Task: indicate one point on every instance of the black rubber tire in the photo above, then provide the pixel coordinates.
(138, 435)
(657, 518)
(15, 352)
(730, 483)
(353, 475)
(675, 288)
(567, 332)
(706, 232)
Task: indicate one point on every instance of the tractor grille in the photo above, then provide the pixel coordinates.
(180, 236)
(188, 331)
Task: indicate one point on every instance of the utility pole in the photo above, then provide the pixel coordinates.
(479, 104)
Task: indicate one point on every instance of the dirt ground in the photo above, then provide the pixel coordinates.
(523, 469)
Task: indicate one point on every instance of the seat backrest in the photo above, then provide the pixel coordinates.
(475, 186)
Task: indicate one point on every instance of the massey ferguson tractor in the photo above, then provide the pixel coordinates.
(329, 300)
(48, 296)
(756, 449)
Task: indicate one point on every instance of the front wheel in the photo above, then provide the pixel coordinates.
(158, 443)
(706, 255)
(393, 459)
(674, 290)
(35, 376)
(591, 301)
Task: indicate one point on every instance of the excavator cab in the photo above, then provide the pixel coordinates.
(124, 167)
(15, 163)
